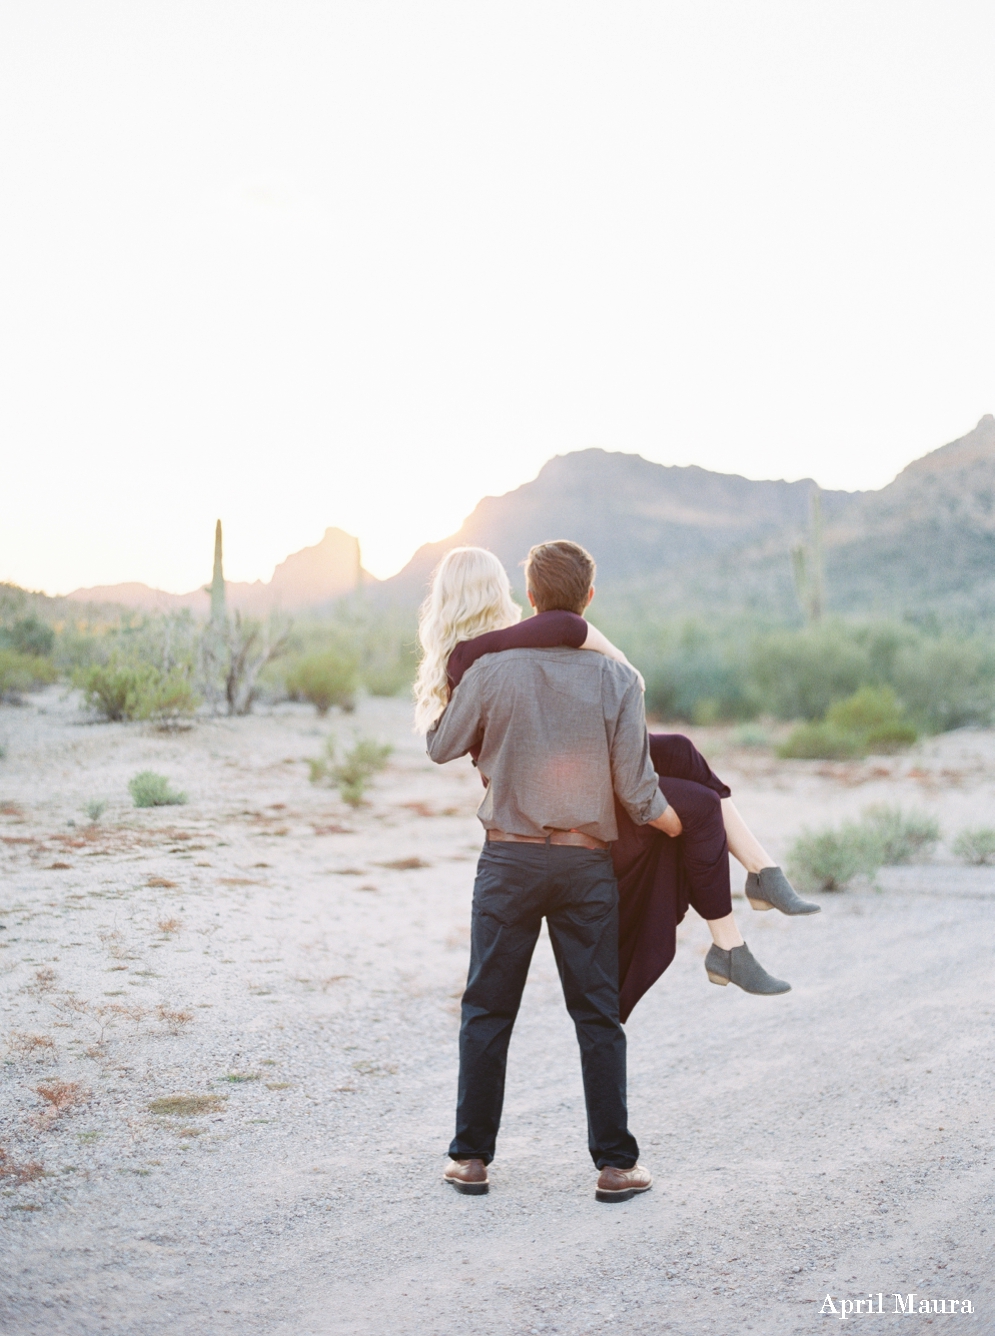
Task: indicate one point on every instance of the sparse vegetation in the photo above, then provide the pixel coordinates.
(829, 859)
(149, 789)
(871, 720)
(23, 672)
(61, 1096)
(20, 1173)
(95, 809)
(186, 1106)
(120, 690)
(30, 1045)
(352, 774)
(976, 845)
(175, 1020)
(325, 679)
(903, 836)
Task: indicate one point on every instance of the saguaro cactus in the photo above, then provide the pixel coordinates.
(807, 564)
(219, 611)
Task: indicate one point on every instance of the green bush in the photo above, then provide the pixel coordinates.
(120, 690)
(28, 636)
(947, 683)
(168, 699)
(829, 859)
(903, 836)
(23, 672)
(95, 809)
(750, 735)
(799, 674)
(325, 679)
(115, 689)
(148, 789)
(351, 775)
(976, 845)
(871, 720)
(820, 742)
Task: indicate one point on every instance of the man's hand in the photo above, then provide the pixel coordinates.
(669, 823)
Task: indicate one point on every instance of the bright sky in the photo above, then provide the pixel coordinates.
(361, 262)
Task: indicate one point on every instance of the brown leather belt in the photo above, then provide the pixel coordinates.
(573, 837)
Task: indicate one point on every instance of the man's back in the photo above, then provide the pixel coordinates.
(558, 731)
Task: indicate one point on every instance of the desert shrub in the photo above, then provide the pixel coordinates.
(829, 859)
(28, 636)
(903, 836)
(750, 735)
(121, 690)
(799, 674)
(388, 678)
(325, 679)
(350, 775)
(168, 699)
(115, 689)
(692, 673)
(871, 720)
(947, 683)
(976, 845)
(95, 809)
(22, 672)
(820, 742)
(148, 789)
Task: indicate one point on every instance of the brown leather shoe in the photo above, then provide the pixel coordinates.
(469, 1176)
(621, 1184)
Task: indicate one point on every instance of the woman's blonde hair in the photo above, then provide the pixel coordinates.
(470, 594)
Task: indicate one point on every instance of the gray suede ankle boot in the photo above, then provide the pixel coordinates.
(739, 967)
(770, 889)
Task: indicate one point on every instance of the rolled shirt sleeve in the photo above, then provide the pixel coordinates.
(634, 779)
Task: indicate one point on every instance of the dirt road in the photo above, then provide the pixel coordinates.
(296, 965)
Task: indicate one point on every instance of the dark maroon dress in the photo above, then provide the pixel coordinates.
(658, 877)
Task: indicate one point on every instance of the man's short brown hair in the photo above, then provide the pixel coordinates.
(559, 575)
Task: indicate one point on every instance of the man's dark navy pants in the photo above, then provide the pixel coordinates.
(574, 889)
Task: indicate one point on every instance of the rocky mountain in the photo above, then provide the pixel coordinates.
(671, 540)
(686, 540)
(639, 519)
(314, 576)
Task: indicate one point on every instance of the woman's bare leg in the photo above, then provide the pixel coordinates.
(725, 932)
(746, 849)
(743, 844)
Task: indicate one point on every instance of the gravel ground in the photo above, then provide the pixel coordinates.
(255, 948)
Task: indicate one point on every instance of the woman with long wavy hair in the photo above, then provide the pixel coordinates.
(470, 612)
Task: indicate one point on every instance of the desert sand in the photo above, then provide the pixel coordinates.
(301, 963)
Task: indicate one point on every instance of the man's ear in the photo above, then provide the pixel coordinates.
(590, 596)
(532, 597)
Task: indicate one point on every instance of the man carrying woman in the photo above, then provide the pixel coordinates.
(579, 816)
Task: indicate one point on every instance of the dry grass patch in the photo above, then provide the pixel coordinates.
(170, 925)
(405, 864)
(163, 882)
(29, 1044)
(186, 1106)
(20, 1173)
(278, 1085)
(60, 1096)
(174, 1019)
